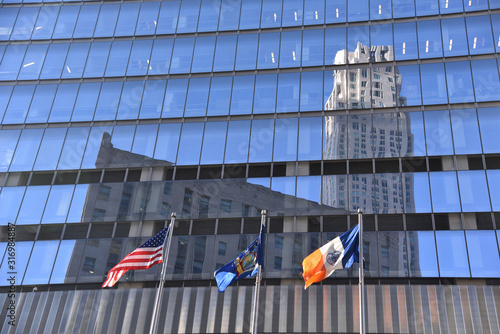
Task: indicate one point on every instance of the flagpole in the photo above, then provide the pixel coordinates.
(361, 276)
(256, 295)
(154, 319)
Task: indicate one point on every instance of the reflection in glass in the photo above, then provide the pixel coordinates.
(175, 98)
(452, 254)
(444, 190)
(486, 82)
(288, 92)
(12, 60)
(238, 134)
(8, 141)
(473, 191)
(265, 93)
(242, 97)
(19, 104)
(130, 100)
(41, 104)
(203, 54)
(291, 47)
(50, 149)
(225, 52)
(454, 37)
(145, 139)
(308, 189)
(421, 254)
(285, 139)
(438, 132)
(434, 90)
(459, 82)
(268, 50)
(483, 249)
(26, 150)
(86, 101)
(311, 86)
(313, 46)
(32, 63)
(167, 18)
(10, 201)
(309, 138)
(148, 16)
(479, 33)
(190, 144)
(489, 122)
(283, 196)
(58, 204)
(168, 135)
(213, 143)
(74, 146)
(54, 60)
(66, 22)
(392, 249)
(182, 55)
(138, 63)
(465, 131)
(41, 262)
(152, 99)
(188, 16)
(106, 21)
(118, 58)
(429, 39)
(75, 61)
(246, 51)
(22, 251)
(493, 182)
(271, 14)
(409, 89)
(220, 96)
(209, 15)
(127, 19)
(160, 56)
(261, 141)
(86, 21)
(417, 195)
(197, 97)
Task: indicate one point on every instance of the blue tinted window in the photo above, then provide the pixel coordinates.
(145, 139)
(10, 200)
(203, 54)
(268, 50)
(67, 253)
(495, 20)
(127, 19)
(167, 19)
(403, 8)
(418, 200)
(54, 61)
(108, 101)
(444, 192)
(118, 58)
(182, 55)
(409, 92)
(19, 104)
(486, 84)
(24, 24)
(41, 262)
(8, 141)
(381, 35)
(310, 139)
(473, 191)
(33, 61)
(459, 82)
(123, 137)
(190, 144)
(107, 20)
(50, 149)
(33, 205)
(168, 136)
(493, 181)
(197, 97)
(23, 251)
(335, 44)
(422, 245)
(242, 97)
(311, 86)
(314, 12)
(271, 14)
(213, 143)
(130, 100)
(292, 13)
(175, 98)
(86, 101)
(288, 92)
(5, 92)
(99, 136)
(261, 141)
(72, 153)
(251, 14)
(66, 22)
(478, 5)
(309, 188)
(26, 150)
(451, 6)
(380, 10)
(75, 62)
(63, 103)
(139, 57)
(290, 53)
(483, 252)
(188, 16)
(11, 62)
(96, 62)
(454, 37)
(225, 51)
(160, 57)
(238, 134)
(285, 140)
(452, 254)
(229, 15)
(358, 40)
(265, 94)
(479, 33)
(434, 89)
(426, 7)
(357, 10)
(209, 15)
(465, 131)
(45, 23)
(489, 122)
(148, 17)
(220, 96)
(7, 18)
(313, 47)
(58, 203)
(152, 100)
(438, 132)
(41, 104)
(246, 54)
(86, 21)
(336, 11)
(429, 39)
(78, 203)
(405, 41)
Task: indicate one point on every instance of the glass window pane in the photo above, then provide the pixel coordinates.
(495, 20)
(417, 197)
(50, 149)
(479, 33)
(98, 148)
(291, 47)
(213, 143)
(123, 136)
(357, 10)
(33, 205)
(96, 62)
(452, 254)
(288, 92)
(182, 55)
(308, 195)
(74, 146)
(265, 94)
(118, 58)
(229, 16)
(70, 251)
(188, 16)
(238, 135)
(486, 84)
(41, 104)
(261, 141)
(405, 41)
(358, 44)
(209, 15)
(127, 19)
(41, 262)
(78, 204)
(483, 251)
(473, 191)
(12, 60)
(7, 19)
(434, 89)
(451, 6)
(313, 47)
(381, 42)
(64, 102)
(271, 14)
(429, 39)
(314, 12)
(33, 60)
(380, 10)
(75, 62)
(66, 22)
(268, 50)
(19, 104)
(190, 144)
(465, 131)
(54, 61)
(444, 192)
(86, 101)
(409, 91)
(23, 251)
(251, 17)
(8, 141)
(108, 101)
(86, 21)
(459, 81)
(225, 51)
(359, 125)
(197, 97)
(148, 16)
(139, 57)
(130, 100)
(493, 182)
(241, 101)
(285, 140)
(311, 87)
(5, 92)
(160, 57)
(336, 11)
(58, 204)
(310, 139)
(246, 55)
(168, 136)
(106, 21)
(10, 200)
(220, 96)
(426, 7)
(292, 13)
(152, 100)
(489, 123)
(26, 150)
(335, 46)
(438, 132)
(175, 98)
(203, 54)
(145, 139)
(167, 20)
(24, 23)
(335, 137)
(283, 205)
(421, 248)
(454, 37)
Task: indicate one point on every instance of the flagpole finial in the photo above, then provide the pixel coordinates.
(173, 215)
(360, 211)
(263, 212)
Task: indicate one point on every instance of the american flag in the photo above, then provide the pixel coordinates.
(144, 257)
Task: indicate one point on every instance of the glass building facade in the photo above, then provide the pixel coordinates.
(114, 114)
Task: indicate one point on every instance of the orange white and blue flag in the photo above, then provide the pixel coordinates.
(339, 253)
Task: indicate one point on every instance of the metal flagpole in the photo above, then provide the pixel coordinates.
(256, 294)
(361, 276)
(154, 319)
